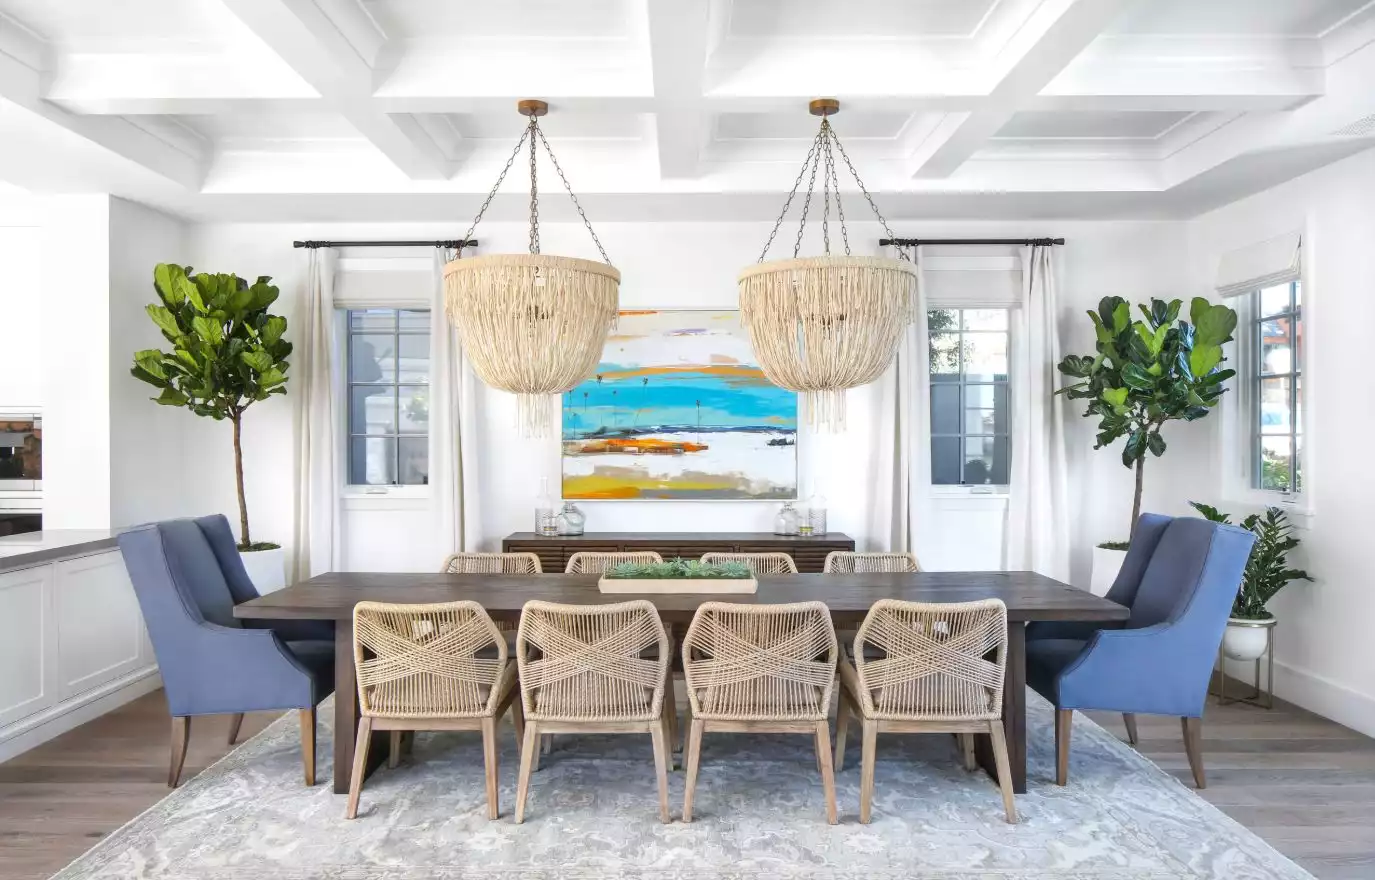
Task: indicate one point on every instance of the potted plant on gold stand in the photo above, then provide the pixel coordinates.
(1249, 629)
(1143, 374)
(227, 354)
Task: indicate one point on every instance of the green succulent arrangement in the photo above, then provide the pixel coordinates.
(1266, 572)
(227, 353)
(680, 569)
(1148, 372)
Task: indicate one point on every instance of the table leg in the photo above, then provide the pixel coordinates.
(1014, 712)
(346, 712)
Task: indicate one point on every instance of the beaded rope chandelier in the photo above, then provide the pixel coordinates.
(821, 325)
(532, 324)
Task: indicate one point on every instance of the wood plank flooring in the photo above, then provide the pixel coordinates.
(1303, 783)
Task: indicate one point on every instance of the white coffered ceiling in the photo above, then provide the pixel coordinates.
(679, 109)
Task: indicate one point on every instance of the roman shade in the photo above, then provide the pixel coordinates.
(1264, 264)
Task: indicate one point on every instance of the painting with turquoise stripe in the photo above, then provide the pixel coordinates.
(679, 410)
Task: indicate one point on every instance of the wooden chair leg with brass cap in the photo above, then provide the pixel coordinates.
(307, 719)
(235, 722)
(181, 735)
(1064, 724)
(1129, 719)
(1193, 746)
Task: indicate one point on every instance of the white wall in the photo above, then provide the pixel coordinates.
(1325, 652)
(149, 473)
(21, 312)
(673, 265)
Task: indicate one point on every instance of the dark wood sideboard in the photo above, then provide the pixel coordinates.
(808, 552)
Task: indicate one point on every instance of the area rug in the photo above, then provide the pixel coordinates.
(759, 814)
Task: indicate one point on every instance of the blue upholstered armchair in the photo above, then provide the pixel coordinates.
(1179, 579)
(188, 577)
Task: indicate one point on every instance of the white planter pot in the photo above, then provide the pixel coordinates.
(1246, 640)
(266, 568)
(1106, 565)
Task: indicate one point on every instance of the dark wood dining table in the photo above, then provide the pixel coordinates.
(1028, 596)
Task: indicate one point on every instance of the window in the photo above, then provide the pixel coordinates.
(1276, 360)
(388, 396)
(969, 397)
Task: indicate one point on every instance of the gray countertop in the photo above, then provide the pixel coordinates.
(36, 548)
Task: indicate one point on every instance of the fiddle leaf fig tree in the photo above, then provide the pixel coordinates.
(1145, 373)
(227, 353)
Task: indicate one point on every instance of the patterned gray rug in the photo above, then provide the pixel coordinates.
(759, 814)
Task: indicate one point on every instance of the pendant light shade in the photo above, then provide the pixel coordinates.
(821, 325)
(532, 324)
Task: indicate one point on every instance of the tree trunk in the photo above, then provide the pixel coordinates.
(244, 539)
(1136, 500)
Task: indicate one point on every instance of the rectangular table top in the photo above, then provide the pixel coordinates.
(1028, 596)
(681, 538)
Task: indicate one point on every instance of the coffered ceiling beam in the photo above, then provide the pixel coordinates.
(680, 39)
(25, 60)
(1053, 35)
(334, 48)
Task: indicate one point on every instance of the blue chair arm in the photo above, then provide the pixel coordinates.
(296, 630)
(1161, 670)
(221, 669)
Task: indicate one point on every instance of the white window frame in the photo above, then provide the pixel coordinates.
(1236, 452)
(984, 490)
(354, 495)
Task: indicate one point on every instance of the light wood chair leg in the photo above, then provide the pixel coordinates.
(1130, 720)
(518, 720)
(528, 756)
(1193, 746)
(868, 756)
(694, 757)
(490, 765)
(662, 757)
(1064, 723)
(235, 722)
(967, 750)
(671, 713)
(360, 765)
(999, 742)
(394, 749)
(547, 746)
(823, 760)
(307, 717)
(842, 727)
(181, 735)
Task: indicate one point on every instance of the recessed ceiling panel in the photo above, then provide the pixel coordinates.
(536, 19)
(1298, 18)
(802, 125)
(904, 19)
(92, 25)
(1132, 124)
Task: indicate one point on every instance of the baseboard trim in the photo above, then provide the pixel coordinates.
(1326, 698)
(54, 721)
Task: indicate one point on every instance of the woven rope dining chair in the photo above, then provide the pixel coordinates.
(588, 562)
(848, 562)
(492, 563)
(759, 563)
(760, 669)
(927, 668)
(594, 669)
(430, 667)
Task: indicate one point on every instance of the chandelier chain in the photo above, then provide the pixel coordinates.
(807, 202)
(826, 186)
(840, 208)
(581, 213)
(534, 188)
(467, 236)
(788, 203)
(902, 254)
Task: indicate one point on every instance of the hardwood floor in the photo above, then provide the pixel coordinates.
(1303, 783)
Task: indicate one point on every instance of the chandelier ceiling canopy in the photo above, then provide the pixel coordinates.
(820, 325)
(532, 324)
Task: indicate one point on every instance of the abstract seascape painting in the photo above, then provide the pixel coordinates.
(679, 410)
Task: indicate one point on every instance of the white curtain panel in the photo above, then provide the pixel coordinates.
(453, 421)
(1037, 533)
(901, 454)
(319, 449)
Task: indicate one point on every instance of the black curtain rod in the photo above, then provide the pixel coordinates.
(914, 242)
(454, 243)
